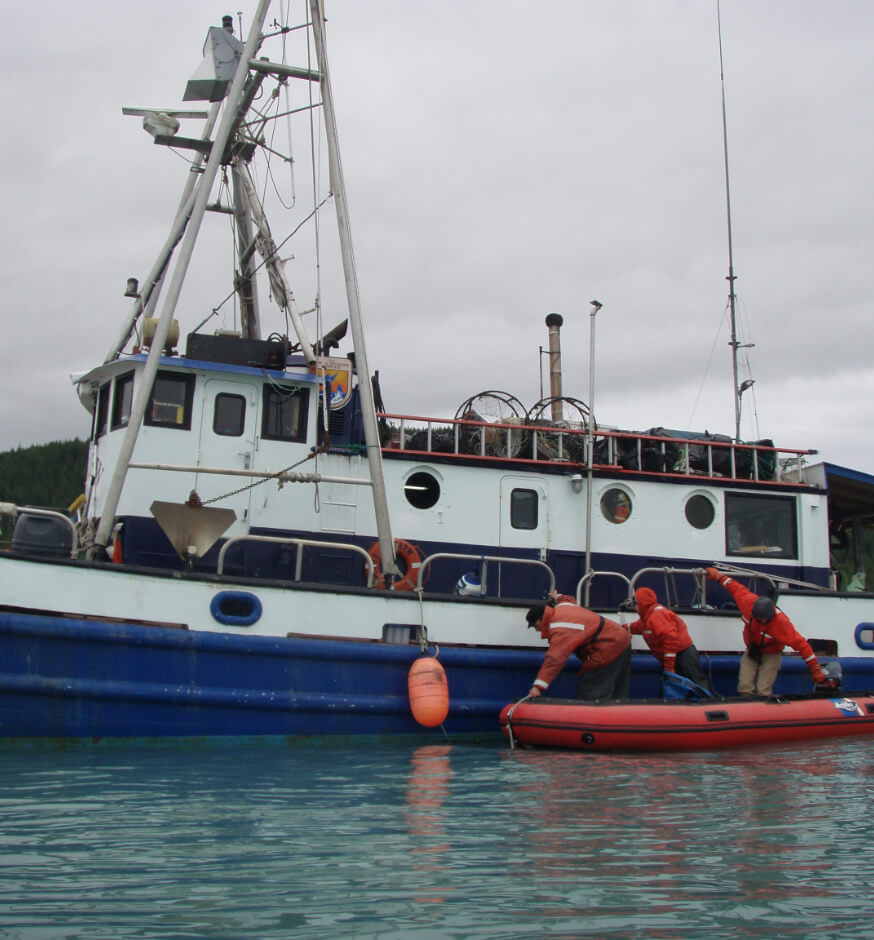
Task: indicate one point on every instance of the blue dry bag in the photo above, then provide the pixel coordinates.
(674, 686)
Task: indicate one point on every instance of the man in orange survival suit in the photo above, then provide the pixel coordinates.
(603, 646)
(766, 632)
(667, 637)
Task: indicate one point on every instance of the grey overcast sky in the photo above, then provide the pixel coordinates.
(503, 160)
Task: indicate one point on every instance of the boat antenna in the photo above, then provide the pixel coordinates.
(732, 299)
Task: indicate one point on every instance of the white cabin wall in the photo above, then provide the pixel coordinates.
(329, 507)
(657, 523)
(468, 511)
(813, 535)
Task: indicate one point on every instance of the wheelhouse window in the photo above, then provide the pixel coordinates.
(170, 402)
(760, 525)
(229, 415)
(101, 410)
(285, 413)
(122, 400)
(524, 508)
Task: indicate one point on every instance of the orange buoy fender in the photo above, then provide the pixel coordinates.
(429, 692)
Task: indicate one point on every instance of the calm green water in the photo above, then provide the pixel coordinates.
(436, 841)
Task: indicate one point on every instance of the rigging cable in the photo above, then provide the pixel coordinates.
(707, 368)
(224, 187)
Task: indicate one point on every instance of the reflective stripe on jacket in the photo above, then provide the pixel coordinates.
(574, 629)
(772, 636)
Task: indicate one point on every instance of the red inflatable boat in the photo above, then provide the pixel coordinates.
(678, 725)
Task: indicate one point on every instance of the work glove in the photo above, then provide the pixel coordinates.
(819, 677)
(713, 574)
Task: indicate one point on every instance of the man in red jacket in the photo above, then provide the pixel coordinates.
(667, 637)
(766, 632)
(603, 646)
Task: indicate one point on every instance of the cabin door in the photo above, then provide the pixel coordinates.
(227, 441)
(524, 514)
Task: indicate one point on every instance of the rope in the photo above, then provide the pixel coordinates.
(509, 717)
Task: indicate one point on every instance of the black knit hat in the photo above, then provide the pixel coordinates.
(535, 613)
(764, 609)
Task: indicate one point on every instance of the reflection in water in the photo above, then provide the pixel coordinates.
(702, 838)
(438, 841)
(427, 791)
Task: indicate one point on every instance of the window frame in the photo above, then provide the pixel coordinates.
(242, 422)
(517, 508)
(183, 378)
(120, 386)
(775, 500)
(268, 400)
(102, 401)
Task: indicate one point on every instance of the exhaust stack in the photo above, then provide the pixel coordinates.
(554, 322)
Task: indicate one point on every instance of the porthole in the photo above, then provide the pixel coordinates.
(700, 512)
(422, 490)
(616, 505)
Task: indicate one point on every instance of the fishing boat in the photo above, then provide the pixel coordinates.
(263, 548)
(684, 724)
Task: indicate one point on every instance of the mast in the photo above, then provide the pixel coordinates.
(147, 301)
(274, 264)
(733, 342)
(368, 409)
(246, 284)
(147, 379)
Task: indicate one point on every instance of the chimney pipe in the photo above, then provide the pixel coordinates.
(554, 322)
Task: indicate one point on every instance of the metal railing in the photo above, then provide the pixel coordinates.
(299, 544)
(483, 560)
(587, 579)
(624, 451)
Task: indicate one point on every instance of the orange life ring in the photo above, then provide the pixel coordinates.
(404, 552)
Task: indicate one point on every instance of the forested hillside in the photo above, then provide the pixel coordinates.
(49, 475)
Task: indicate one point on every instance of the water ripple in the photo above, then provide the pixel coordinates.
(438, 841)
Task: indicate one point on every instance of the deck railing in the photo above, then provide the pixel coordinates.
(482, 562)
(612, 449)
(299, 545)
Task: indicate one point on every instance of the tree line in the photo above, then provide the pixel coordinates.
(47, 475)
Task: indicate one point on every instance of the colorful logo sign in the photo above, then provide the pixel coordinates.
(847, 707)
(337, 373)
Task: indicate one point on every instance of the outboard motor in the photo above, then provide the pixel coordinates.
(833, 673)
(43, 536)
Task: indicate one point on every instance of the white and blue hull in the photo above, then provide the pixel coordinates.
(219, 471)
(316, 662)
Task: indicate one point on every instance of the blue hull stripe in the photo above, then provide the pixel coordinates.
(81, 678)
